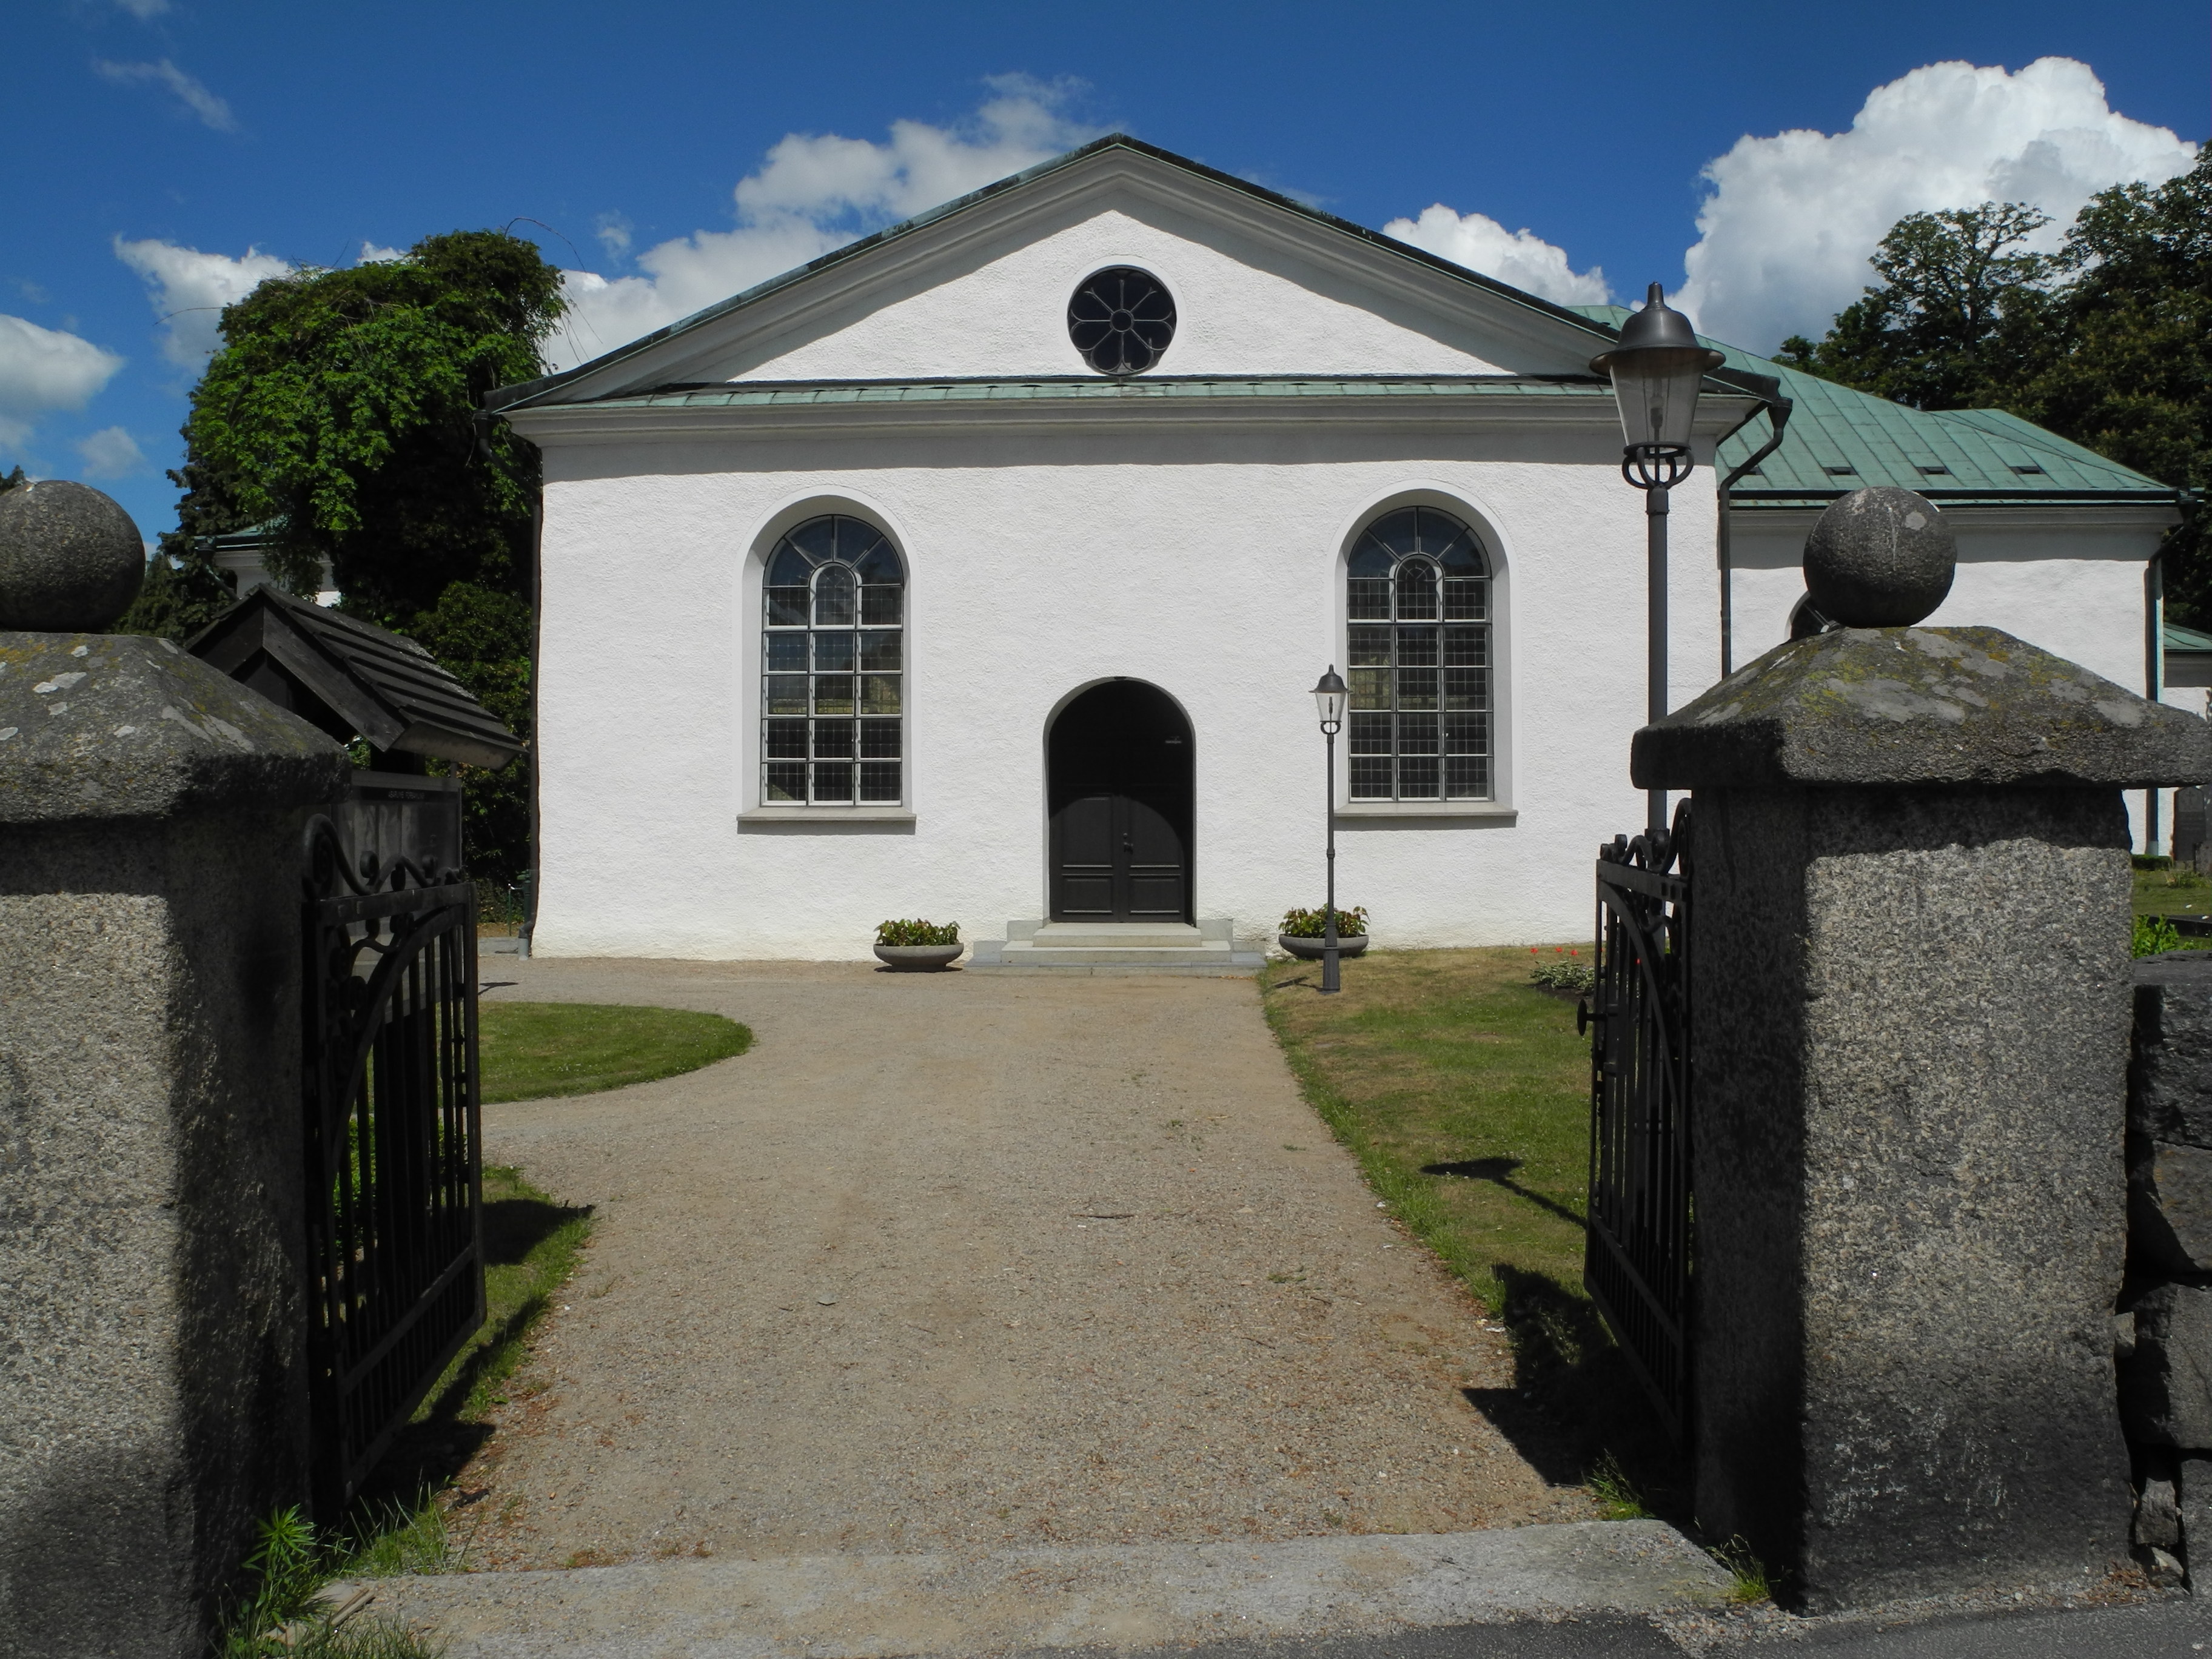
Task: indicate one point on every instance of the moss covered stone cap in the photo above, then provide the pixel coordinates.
(114, 726)
(1919, 706)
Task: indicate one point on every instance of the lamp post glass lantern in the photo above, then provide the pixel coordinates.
(1329, 694)
(1656, 371)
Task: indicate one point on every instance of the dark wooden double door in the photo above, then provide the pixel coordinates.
(1120, 757)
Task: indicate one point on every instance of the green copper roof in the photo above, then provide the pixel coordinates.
(2178, 638)
(1840, 439)
(770, 394)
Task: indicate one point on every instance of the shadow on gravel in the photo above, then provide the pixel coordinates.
(1574, 1400)
(438, 1444)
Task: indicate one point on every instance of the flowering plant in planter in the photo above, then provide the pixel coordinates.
(918, 932)
(1313, 924)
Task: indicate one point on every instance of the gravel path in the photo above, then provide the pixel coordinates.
(962, 1260)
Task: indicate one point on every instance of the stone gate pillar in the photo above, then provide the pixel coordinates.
(1912, 1005)
(152, 1376)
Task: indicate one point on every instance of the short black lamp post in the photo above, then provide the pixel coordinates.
(1656, 371)
(1329, 693)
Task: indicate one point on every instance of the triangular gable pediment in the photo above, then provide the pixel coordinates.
(979, 289)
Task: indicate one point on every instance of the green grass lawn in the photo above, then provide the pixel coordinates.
(1464, 1092)
(528, 1050)
(2172, 893)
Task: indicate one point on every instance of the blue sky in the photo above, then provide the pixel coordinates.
(152, 144)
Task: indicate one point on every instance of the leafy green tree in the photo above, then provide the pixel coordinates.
(1961, 302)
(2129, 369)
(2107, 341)
(341, 418)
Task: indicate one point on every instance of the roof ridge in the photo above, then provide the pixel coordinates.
(507, 395)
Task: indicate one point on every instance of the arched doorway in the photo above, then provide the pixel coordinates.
(1118, 787)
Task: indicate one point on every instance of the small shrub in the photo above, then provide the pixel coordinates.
(2154, 934)
(1565, 971)
(1313, 924)
(2150, 861)
(918, 932)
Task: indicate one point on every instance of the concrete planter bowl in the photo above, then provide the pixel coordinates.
(1312, 949)
(918, 959)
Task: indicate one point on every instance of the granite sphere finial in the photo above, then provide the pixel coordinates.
(1880, 558)
(70, 558)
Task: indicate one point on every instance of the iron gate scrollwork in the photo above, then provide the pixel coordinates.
(1637, 1258)
(395, 1258)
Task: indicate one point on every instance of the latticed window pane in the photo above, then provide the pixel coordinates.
(1371, 646)
(1467, 647)
(1417, 591)
(833, 597)
(823, 579)
(1417, 568)
(1369, 734)
(1467, 687)
(1370, 777)
(1467, 777)
(1370, 688)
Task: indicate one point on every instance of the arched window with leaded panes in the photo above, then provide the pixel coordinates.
(833, 674)
(1417, 605)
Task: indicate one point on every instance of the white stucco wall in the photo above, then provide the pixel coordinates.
(1039, 563)
(2076, 591)
(1007, 315)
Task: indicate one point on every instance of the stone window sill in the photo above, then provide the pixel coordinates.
(827, 815)
(1428, 808)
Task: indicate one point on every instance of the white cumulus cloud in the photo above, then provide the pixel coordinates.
(1521, 257)
(814, 192)
(373, 253)
(110, 452)
(43, 369)
(190, 288)
(1786, 232)
(190, 91)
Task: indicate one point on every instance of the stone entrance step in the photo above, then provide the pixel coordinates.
(1097, 1598)
(1116, 947)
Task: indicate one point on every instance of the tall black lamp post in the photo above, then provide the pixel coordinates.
(1656, 371)
(1329, 693)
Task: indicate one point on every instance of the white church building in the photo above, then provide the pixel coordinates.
(981, 571)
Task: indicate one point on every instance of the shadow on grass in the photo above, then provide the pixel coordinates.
(1498, 1171)
(1575, 1399)
(447, 1430)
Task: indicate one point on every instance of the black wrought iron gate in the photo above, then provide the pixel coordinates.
(394, 1179)
(1636, 1264)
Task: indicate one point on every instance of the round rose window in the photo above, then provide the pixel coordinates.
(1122, 319)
